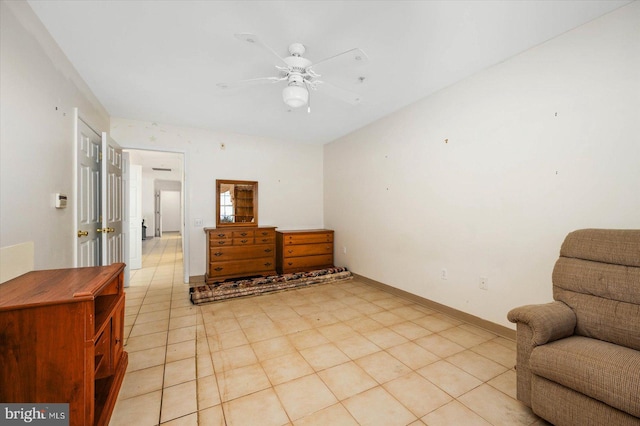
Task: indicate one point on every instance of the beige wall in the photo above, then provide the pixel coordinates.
(486, 177)
(39, 88)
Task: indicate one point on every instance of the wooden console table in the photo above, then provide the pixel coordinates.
(61, 340)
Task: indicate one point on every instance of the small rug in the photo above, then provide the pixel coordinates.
(252, 286)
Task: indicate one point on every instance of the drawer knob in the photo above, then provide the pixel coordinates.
(220, 235)
(244, 234)
(290, 251)
(267, 250)
(218, 254)
(267, 264)
(290, 263)
(244, 241)
(221, 242)
(218, 269)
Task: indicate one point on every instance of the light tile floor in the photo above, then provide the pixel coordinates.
(332, 354)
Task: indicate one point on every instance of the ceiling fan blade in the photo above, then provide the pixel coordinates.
(353, 56)
(338, 92)
(255, 40)
(251, 82)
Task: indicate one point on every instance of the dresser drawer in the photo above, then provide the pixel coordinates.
(265, 240)
(307, 249)
(243, 234)
(240, 252)
(307, 262)
(216, 234)
(308, 238)
(240, 267)
(268, 233)
(242, 241)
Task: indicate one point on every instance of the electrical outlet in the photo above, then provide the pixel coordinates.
(197, 222)
(484, 283)
(443, 274)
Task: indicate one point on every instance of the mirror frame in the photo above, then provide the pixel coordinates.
(220, 182)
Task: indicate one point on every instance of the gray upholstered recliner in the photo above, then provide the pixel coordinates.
(578, 359)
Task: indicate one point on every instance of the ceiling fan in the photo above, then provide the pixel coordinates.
(299, 75)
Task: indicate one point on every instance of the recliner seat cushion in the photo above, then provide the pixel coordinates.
(600, 370)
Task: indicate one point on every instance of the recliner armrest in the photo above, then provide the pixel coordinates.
(537, 325)
(548, 322)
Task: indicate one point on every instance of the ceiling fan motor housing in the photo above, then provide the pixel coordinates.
(297, 63)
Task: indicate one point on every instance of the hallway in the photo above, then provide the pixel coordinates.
(160, 336)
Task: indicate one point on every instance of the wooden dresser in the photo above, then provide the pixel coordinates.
(304, 250)
(240, 252)
(61, 340)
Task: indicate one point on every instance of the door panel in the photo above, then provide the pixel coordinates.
(99, 198)
(88, 240)
(112, 239)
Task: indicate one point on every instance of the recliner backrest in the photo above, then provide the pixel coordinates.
(598, 276)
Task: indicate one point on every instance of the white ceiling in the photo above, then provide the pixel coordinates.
(160, 60)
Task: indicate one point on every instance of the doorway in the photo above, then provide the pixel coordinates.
(170, 211)
(161, 171)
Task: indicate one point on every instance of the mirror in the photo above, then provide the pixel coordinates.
(236, 203)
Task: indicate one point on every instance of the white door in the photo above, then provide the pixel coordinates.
(135, 216)
(112, 202)
(125, 215)
(88, 197)
(170, 211)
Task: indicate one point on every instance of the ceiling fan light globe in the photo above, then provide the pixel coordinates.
(295, 96)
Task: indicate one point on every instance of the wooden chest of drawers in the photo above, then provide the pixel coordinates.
(61, 340)
(304, 250)
(240, 252)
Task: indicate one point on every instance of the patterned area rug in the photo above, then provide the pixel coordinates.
(252, 286)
